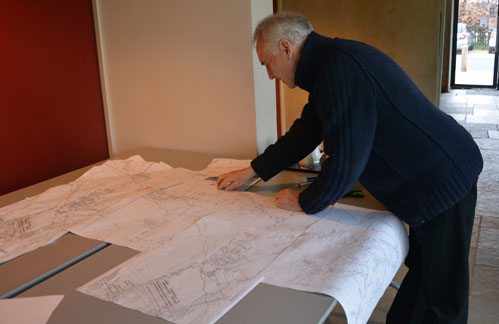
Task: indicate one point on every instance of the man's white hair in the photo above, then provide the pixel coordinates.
(283, 25)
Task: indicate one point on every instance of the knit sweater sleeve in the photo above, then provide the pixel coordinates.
(345, 99)
(303, 136)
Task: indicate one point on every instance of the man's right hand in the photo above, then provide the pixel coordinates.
(235, 179)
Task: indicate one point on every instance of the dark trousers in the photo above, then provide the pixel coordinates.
(436, 287)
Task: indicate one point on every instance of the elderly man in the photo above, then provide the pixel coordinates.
(378, 128)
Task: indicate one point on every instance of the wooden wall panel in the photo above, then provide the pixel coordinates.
(52, 118)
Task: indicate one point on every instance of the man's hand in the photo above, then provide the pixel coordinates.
(232, 180)
(288, 199)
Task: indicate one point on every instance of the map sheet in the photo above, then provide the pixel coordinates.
(36, 221)
(182, 198)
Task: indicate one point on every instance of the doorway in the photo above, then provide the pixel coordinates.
(474, 46)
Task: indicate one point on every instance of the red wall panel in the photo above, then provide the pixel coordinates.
(52, 117)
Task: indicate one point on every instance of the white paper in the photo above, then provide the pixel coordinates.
(31, 223)
(153, 217)
(28, 310)
(220, 166)
(351, 254)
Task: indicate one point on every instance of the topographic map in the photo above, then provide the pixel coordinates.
(203, 249)
(36, 221)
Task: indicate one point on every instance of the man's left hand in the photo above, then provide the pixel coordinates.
(288, 199)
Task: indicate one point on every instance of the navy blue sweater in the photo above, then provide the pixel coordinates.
(378, 128)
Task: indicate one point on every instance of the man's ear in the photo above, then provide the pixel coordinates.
(286, 48)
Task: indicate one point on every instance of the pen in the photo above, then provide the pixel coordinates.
(306, 181)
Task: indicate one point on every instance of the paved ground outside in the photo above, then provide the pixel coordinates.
(480, 67)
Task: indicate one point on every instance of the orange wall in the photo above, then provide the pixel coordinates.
(408, 31)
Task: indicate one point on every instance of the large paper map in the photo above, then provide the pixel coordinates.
(204, 249)
(35, 221)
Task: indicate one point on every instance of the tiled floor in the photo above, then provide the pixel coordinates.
(482, 120)
(477, 110)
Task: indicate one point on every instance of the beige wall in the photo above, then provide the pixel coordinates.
(178, 74)
(265, 93)
(406, 30)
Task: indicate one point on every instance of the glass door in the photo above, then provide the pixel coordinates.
(474, 62)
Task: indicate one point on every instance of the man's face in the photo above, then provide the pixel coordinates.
(277, 58)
